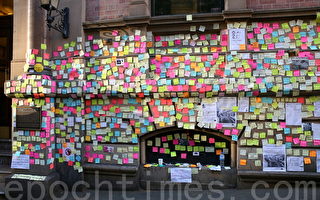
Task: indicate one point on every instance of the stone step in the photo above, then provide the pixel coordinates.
(2, 186)
(5, 145)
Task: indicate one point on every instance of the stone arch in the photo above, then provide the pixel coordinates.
(210, 132)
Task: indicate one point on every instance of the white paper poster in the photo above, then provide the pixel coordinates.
(181, 175)
(316, 109)
(237, 37)
(318, 161)
(316, 131)
(274, 158)
(209, 112)
(295, 164)
(20, 162)
(225, 114)
(293, 114)
(243, 104)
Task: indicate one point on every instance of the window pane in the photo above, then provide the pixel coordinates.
(174, 7)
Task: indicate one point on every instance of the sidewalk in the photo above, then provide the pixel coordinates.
(224, 194)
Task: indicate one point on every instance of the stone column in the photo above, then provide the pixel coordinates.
(139, 8)
(28, 28)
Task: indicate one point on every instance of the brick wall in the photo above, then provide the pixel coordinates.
(280, 4)
(106, 9)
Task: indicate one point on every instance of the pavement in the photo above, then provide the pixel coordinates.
(216, 194)
(285, 192)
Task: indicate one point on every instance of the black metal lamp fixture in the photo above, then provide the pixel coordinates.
(63, 23)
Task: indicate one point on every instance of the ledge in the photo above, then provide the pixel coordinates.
(110, 169)
(224, 16)
(272, 175)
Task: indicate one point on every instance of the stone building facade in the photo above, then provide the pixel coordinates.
(231, 95)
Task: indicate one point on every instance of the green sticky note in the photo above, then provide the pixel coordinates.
(177, 147)
(173, 154)
(235, 109)
(240, 126)
(39, 59)
(189, 148)
(262, 135)
(196, 149)
(271, 141)
(43, 46)
(179, 116)
(183, 148)
(311, 108)
(151, 51)
(236, 74)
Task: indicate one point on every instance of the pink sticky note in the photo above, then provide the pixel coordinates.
(90, 37)
(303, 143)
(282, 124)
(183, 155)
(31, 161)
(219, 126)
(162, 150)
(164, 138)
(227, 132)
(316, 142)
(191, 143)
(175, 141)
(88, 148)
(154, 149)
(296, 141)
(135, 156)
(296, 73)
(211, 140)
(125, 160)
(235, 131)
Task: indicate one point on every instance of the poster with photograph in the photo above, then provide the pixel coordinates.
(209, 112)
(224, 111)
(299, 63)
(295, 164)
(307, 126)
(67, 153)
(274, 158)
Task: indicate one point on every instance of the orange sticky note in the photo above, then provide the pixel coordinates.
(243, 162)
(295, 29)
(258, 100)
(312, 153)
(88, 138)
(307, 161)
(218, 151)
(242, 47)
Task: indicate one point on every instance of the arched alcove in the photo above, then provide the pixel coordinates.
(208, 143)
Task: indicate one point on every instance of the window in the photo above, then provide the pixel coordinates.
(174, 7)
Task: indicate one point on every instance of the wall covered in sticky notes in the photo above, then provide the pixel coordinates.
(108, 93)
(37, 145)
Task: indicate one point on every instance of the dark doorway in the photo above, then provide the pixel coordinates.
(6, 34)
